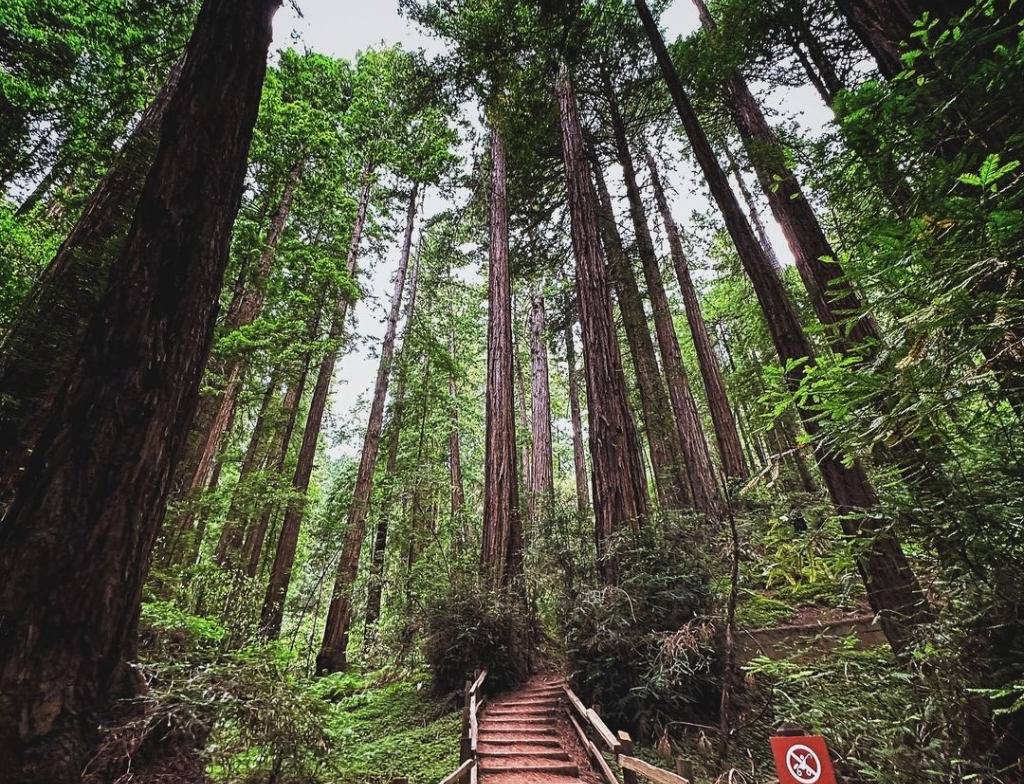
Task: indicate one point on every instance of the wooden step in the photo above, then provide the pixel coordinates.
(551, 743)
(516, 730)
(535, 778)
(490, 718)
(490, 767)
(511, 713)
(538, 703)
(506, 752)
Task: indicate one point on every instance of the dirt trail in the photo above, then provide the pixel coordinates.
(525, 738)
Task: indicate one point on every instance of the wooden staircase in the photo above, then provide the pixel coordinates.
(521, 740)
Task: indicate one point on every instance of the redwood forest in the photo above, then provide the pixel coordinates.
(512, 391)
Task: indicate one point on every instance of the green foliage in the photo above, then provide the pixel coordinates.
(467, 628)
(646, 650)
(883, 724)
(383, 729)
(756, 611)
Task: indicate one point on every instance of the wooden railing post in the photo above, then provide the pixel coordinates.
(626, 742)
(685, 769)
(466, 744)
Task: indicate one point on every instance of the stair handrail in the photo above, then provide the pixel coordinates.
(620, 745)
(472, 704)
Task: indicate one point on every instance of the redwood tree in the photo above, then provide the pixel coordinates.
(892, 587)
(620, 487)
(726, 433)
(331, 657)
(38, 350)
(500, 555)
(76, 543)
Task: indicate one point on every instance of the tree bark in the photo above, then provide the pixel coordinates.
(832, 298)
(255, 536)
(543, 471)
(726, 434)
(579, 458)
(700, 471)
(76, 544)
(752, 210)
(231, 534)
(664, 444)
(394, 426)
(37, 352)
(892, 587)
(281, 573)
(244, 311)
(500, 554)
(524, 433)
(331, 657)
(620, 487)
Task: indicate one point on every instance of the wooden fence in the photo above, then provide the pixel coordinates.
(468, 771)
(595, 736)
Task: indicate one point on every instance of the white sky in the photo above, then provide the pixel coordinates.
(342, 28)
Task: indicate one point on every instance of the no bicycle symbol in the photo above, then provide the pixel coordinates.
(802, 759)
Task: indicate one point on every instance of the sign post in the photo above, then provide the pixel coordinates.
(802, 759)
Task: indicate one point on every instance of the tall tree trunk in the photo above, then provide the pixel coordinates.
(831, 296)
(885, 26)
(579, 458)
(255, 535)
(700, 471)
(231, 534)
(458, 489)
(526, 451)
(281, 572)
(726, 434)
(37, 352)
(500, 553)
(76, 543)
(543, 473)
(664, 443)
(331, 657)
(244, 311)
(892, 587)
(752, 210)
(620, 487)
(380, 540)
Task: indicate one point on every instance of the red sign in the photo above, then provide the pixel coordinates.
(802, 759)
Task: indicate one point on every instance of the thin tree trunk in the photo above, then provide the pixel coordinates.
(458, 490)
(579, 458)
(231, 534)
(664, 444)
(37, 352)
(543, 472)
(245, 309)
(700, 471)
(620, 487)
(281, 573)
(892, 587)
(75, 546)
(726, 434)
(331, 657)
(500, 553)
(380, 540)
(752, 210)
(832, 298)
(526, 451)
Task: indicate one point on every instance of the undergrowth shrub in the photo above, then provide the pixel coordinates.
(884, 725)
(239, 714)
(467, 628)
(646, 650)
